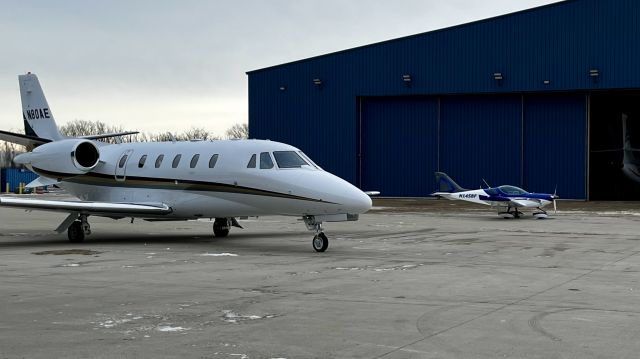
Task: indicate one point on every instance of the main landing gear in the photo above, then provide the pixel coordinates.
(79, 229)
(320, 241)
(511, 213)
(222, 226)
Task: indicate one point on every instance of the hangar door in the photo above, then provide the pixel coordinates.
(537, 142)
(481, 138)
(398, 145)
(555, 132)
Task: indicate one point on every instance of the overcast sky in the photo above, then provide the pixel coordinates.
(160, 66)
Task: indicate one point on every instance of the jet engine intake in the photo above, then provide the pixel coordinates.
(61, 159)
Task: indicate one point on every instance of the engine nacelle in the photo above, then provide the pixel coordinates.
(61, 159)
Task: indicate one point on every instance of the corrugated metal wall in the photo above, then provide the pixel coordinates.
(13, 177)
(544, 50)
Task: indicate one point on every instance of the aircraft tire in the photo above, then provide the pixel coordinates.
(320, 242)
(221, 227)
(75, 232)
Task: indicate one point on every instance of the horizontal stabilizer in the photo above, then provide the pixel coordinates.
(108, 135)
(372, 193)
(41, 182)
(21, 139)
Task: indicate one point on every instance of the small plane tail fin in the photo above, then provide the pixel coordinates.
(36, 113)
(446, 184)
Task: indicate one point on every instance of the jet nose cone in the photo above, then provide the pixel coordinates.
(359, 202)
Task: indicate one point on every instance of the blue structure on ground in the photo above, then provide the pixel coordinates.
(532, 98)
(13, 177)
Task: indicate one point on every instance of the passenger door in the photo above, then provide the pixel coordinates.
(121, 165)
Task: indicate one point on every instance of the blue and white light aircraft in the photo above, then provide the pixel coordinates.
(506, 199)
(177, 180)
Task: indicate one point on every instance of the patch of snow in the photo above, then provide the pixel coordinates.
(71, 265)
(219, 255)
(232, 317)
(168, 328)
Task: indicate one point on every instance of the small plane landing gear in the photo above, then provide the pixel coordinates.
(510, 213)
(540, 215)
(320, 242)
(221, 227)
(78, 230)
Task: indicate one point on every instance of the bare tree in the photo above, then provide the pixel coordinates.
(237, 131)
(196, 133)
(8, 151)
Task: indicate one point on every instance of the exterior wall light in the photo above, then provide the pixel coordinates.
(546, 82)
(594, 74)
(283, 88)
(317, 82)
(498, 77)
(407, 80)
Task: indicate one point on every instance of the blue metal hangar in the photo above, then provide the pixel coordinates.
(535, 98)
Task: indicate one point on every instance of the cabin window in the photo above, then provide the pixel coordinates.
(123, 160)
(176, 161)
(289, 159)
(252, 162)
(159, 161)
(265, 161)
(194, 161)
(143, 159)
(213, 160)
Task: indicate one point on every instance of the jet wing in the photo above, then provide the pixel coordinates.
(93, 208)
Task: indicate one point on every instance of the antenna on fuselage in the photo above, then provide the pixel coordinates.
(485, 182)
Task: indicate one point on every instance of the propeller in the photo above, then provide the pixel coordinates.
(555, 196)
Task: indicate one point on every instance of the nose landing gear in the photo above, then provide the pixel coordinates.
(320, 241)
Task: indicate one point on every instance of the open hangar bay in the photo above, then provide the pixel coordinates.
(533, 99)
(411, 279)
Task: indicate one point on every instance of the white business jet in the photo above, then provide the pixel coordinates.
(178, 180)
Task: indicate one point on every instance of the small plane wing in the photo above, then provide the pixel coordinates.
(84, 207)
(524, 202)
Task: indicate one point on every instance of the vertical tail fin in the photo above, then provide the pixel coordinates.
(446, 184)
(38, 119)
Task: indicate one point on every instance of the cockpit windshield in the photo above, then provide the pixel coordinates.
(289, 159)
(513, 190)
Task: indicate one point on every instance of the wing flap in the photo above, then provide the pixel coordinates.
(85, 207)
(41, 182)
